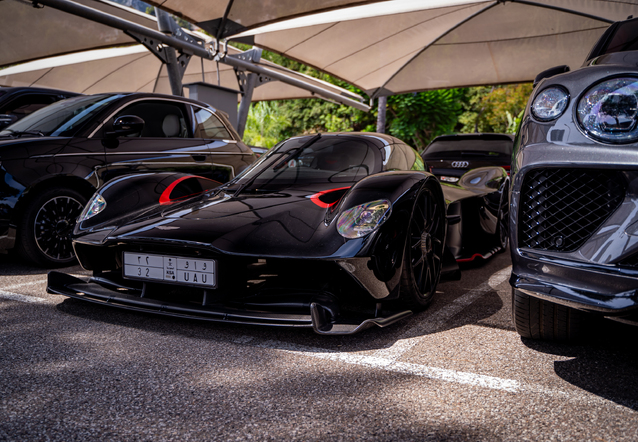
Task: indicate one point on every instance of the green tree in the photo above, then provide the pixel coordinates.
(495, 108)
(419, 117)
(264, 125)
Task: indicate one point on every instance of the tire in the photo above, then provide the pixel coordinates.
(423, 250)
(44, 231)
(539, 319)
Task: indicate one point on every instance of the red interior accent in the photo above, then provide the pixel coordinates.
(165, 197)
(315, 198)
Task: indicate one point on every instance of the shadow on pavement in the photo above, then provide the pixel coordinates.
(605, 363)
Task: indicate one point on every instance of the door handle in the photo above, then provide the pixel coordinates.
(199, 158)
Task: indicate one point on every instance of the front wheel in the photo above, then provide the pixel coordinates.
(423, 251)
(44, 232)
(539, 319)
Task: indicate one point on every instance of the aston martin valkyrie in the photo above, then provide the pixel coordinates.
(337, 232)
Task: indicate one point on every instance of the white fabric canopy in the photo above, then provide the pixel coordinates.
(28, 33)
(245, 13)
(135, 69)
(385, 47)
(411, 45)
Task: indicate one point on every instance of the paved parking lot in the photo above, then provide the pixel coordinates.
(458, 371)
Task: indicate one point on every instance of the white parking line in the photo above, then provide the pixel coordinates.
(435, 321)
(442, 374)
(7, 293)
(18, 297)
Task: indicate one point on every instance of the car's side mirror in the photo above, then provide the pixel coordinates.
(126, 125)
(550, 73)
(7, 120)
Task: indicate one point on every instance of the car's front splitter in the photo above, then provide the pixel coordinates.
(585, 287)
(321, 315)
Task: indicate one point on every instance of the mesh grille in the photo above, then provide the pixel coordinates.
(562, 208)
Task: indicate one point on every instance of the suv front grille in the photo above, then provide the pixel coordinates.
(562, 208)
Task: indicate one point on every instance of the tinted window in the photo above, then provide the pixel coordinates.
(209, 126)
(403, 157)
(625, 38)
(161, 119)
(329, 159)
(453, 147)
(27, 104)
(63, 118)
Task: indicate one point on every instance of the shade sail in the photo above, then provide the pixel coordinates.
(135, 69)
(208, 14)
(411, 45)
(28, 33)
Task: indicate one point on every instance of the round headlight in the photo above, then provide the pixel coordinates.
(363, 219)
(608, 111)
(550, 104)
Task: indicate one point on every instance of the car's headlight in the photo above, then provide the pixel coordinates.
(550, 104)
(608, 110)
(94, 206)
(363, 219)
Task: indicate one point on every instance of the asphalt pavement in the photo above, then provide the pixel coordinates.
(71, 370)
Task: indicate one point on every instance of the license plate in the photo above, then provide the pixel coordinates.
(175, 269)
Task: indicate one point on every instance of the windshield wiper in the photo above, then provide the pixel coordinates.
(18, 134)
(282, 161)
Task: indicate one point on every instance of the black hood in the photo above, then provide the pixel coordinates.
(272, 224)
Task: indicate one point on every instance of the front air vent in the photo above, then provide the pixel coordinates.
(562, 208)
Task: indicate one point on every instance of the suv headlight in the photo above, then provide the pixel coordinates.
(550, 103)
(94, 206)
(608, 110)
(363, 219)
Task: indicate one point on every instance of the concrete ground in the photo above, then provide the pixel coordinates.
(458, 371)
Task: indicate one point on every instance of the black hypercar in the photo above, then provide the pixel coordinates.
(337, 232)
(18, 102)
(54, 159)
(473, 169)
(574, 199)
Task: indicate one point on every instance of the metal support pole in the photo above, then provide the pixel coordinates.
(194, 49)
(383, 103)
(174, 74)
(247, 96)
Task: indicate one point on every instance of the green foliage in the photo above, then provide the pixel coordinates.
(264, 125)
(492, 109)
(418, 118)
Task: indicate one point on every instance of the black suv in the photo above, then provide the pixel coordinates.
(52, 160)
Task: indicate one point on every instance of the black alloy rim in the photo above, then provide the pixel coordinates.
(426, 245)
(53, 226)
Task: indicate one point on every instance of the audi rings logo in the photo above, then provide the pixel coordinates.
(460, 164)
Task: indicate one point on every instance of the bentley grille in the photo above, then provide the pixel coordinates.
(562, 208)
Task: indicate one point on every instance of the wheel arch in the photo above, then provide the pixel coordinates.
(72, 182)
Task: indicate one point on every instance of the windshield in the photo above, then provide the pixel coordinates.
(455, 147)
(624, 38)
(61, 119)
(328, 159)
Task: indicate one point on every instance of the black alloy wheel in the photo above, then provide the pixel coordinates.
(44, 236)
(423, 251)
